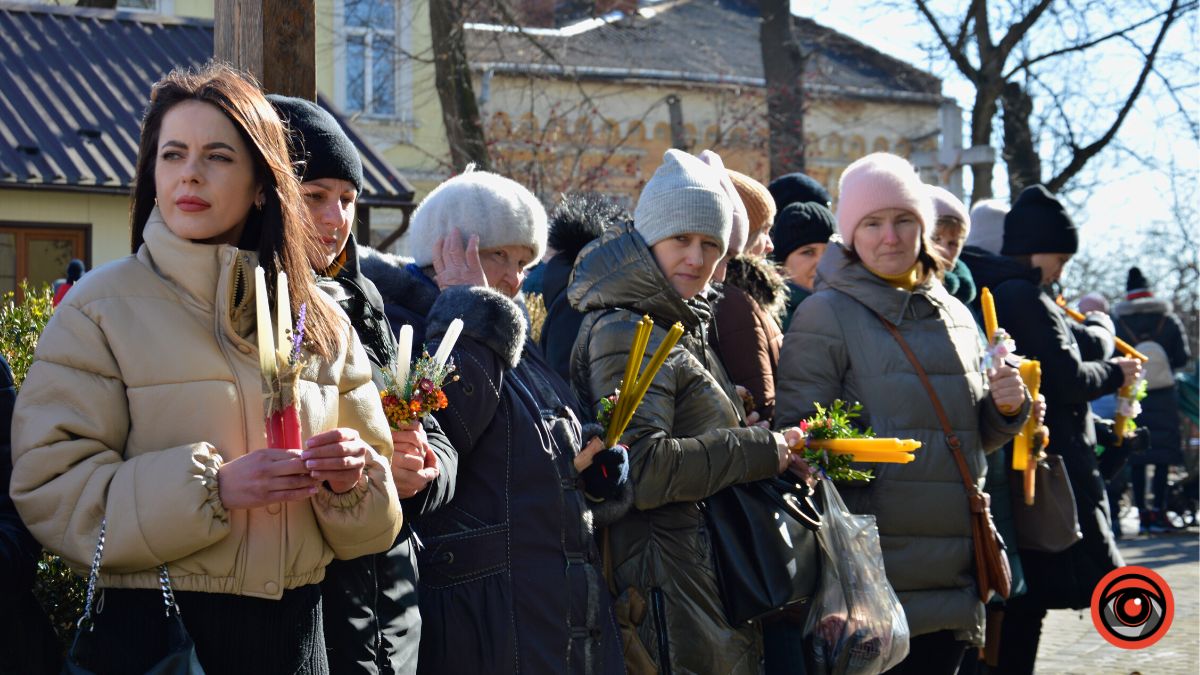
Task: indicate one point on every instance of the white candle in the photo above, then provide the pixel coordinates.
(444, 349)
(266, 347)
(403, 356)
(283, 317)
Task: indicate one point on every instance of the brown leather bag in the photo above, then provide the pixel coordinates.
(992, 572)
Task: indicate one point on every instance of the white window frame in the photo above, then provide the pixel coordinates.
(166, 7)
(401, 35)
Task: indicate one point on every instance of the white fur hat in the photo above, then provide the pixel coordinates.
(497, 209)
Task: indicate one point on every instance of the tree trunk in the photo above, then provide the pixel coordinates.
(981, 134)
(783, 70)
(1020, 155)
(452, 77)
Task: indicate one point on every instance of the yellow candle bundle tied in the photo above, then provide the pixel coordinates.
(635, 384)
(1031, 375)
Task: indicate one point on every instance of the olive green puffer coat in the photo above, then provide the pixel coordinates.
(686, 442)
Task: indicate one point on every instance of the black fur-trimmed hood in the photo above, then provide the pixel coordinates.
(489, 317)
(761, 280)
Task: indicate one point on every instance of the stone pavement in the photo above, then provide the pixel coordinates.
(1070, 643)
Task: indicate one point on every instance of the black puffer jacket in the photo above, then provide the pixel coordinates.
(510, 574)
(1074, 372)
(372, 621)
(1153, 319)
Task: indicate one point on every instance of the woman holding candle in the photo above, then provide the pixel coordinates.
(510, 576)
(838, 347)
(372, 621)
(144, 406)
(687, 438)
(1039, 239)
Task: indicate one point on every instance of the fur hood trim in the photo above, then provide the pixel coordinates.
(761, 280)
(1150, 305)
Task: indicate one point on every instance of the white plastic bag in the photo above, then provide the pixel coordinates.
(856, 623)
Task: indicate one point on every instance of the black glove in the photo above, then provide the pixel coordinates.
(1113, 459)
(608, 473)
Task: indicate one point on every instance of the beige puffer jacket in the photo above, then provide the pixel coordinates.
(144, 382)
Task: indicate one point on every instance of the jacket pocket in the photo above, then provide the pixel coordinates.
(462, 557)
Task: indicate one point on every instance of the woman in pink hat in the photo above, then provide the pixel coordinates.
(884, 271)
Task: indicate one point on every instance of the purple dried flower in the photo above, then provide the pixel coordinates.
(298, 335)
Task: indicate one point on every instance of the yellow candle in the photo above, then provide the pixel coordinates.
(882, 457)
(989, 313)
(266, 346)
(283, 317)
(1031, 375)
(1122, 346)
(647, 376)
(854, 445)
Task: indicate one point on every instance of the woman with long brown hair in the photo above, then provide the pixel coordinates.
(143, 409)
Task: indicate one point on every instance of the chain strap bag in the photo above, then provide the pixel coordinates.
(181, 657)
(992, 571)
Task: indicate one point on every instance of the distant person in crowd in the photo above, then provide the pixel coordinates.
(948, 237)
(986, 231)
(510, 572)
(75, 271)
(884, 269)
(142, 414)
(688, 439)
(801, 234)
(578, 219)
(1093, 302)
(747, 335)
(1151, 325)
(372, 622)
(1039, 238)
(795, 188)
(27, 640)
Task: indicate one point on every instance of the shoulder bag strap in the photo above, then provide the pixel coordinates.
(947, 430)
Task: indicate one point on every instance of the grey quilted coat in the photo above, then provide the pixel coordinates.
(836, 348)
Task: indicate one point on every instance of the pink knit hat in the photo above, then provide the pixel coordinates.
(880, 181)
(946, 204)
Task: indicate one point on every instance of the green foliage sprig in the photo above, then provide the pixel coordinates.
(836, 421)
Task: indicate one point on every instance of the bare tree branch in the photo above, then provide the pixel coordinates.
(1026, 63)
(953, 50)
(1082, 155)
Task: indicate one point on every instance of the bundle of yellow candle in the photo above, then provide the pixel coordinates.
(832, 442)
(1028, 445)
(280, 360)
(617, 410)
(1128, 398)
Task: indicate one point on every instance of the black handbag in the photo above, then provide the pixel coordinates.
(764, 546)
(181, 655)
(1051, 523)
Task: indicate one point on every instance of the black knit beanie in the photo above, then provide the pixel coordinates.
(1038, 223)
(800, 224)
(75, 270)
(797, 187)
(320, 148)
(1136, 282)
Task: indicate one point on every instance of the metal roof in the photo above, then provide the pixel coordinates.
(74, 84)
(701, 42)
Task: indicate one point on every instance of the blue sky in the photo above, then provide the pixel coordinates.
(1124, 195)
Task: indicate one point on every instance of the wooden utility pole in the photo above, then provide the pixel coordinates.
(275, 40)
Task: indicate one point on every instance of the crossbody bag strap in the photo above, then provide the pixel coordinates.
(947, 430)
